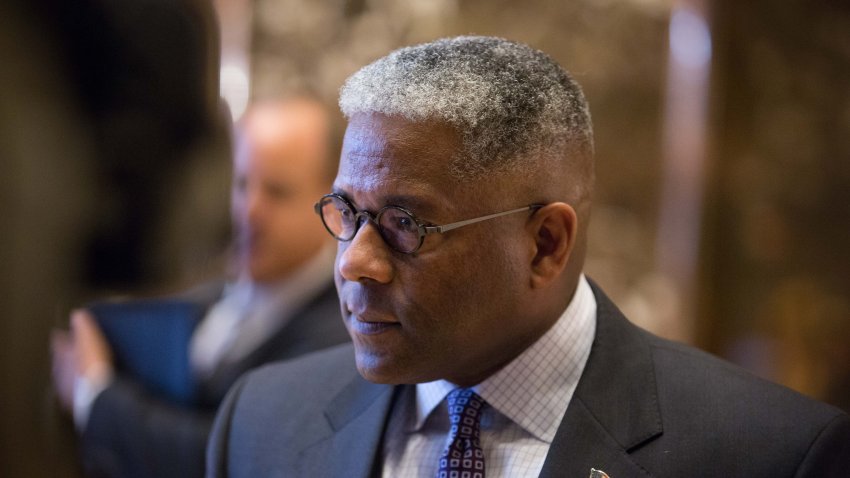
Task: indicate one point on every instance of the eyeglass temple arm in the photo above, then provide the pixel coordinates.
(455, 225)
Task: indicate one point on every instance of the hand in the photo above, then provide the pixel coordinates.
(64, 368)
(81, 353)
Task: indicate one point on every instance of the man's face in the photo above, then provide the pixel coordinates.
(453, 309)
(277, 177)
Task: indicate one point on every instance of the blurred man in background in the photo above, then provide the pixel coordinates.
(281, 304)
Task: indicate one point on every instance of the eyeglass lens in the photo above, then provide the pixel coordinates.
(397, 227)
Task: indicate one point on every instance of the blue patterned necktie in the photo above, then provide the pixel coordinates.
(463, 458)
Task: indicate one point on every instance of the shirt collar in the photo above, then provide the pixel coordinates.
(530, 391)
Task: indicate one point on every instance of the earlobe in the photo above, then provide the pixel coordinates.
(553, 228)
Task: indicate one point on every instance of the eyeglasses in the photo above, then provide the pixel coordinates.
(398, 227)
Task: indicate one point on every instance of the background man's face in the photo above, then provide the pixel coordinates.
(277, 177)
(450, 310)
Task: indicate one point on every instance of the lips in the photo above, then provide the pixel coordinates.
(248, 243)
(367, 323)
(367, 309)
(366, 320)
(363, 327)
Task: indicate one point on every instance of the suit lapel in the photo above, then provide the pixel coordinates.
(357, 418)
(615, 407)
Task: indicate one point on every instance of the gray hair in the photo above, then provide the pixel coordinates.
(509, 102)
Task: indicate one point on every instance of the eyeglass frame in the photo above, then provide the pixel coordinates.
(423, 228)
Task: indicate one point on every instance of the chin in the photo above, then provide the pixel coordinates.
(261, 277)
(379, 368)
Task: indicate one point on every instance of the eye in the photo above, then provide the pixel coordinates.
(338, 207)
(344, 211)
(398, 220)
(405, 223)
(278, 191)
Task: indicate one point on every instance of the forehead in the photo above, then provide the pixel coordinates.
(388, 156)
(278, 150)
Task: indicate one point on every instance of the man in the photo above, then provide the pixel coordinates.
(461, 207)
(283, 304)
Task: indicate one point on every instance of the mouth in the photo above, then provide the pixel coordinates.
(247, 244)
(373, 328)
(370, 324)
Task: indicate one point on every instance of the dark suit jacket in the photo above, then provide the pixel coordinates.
(644, 406)
(131, 433)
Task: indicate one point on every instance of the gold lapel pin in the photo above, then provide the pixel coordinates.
(594, 473)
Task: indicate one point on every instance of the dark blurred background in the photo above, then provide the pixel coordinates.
(722, 213)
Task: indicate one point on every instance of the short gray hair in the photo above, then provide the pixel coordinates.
(508, 101)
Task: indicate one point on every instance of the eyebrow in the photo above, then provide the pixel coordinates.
(419, 206)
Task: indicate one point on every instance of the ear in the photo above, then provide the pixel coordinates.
(553, 229)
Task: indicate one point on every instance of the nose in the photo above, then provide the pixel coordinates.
(250, 208)
(366, 257)
(252, 204)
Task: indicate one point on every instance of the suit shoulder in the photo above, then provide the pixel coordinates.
(708, 393)
(716, 415)
(281, 403)
(699, 415)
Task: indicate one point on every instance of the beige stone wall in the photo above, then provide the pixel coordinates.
(777, 265)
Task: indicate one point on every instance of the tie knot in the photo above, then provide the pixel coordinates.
(465, 412)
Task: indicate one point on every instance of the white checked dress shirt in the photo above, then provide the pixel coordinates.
(527, 400)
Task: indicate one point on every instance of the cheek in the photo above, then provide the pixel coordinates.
(292, 218)
(483, 287)
(461, 294)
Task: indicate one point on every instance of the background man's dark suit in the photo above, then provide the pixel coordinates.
(643, 407)
(133, 434)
